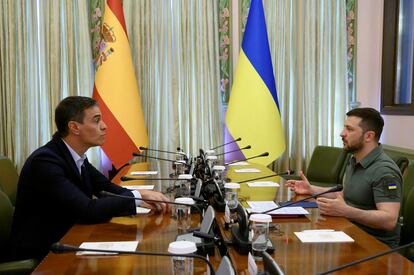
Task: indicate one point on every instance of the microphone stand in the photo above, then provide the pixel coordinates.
(62, 248)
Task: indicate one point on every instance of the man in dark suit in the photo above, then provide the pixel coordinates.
(57, 184)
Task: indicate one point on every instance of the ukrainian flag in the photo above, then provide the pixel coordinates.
(253, 110)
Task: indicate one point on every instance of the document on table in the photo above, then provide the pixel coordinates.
(323, 236)
(247, 170)
(262, 206)
(263, 184)
(240, 163)
(128, 246)
(138, 187)
(140, 173)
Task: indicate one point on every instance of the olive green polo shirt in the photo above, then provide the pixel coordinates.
(376, 178)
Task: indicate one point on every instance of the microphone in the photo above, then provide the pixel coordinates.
(228, 152)
(288, 172)
(265, 154)
(151, 157)
(63, 248)
(124, 178)
(226, 143)
(336, 188)
(163, 151)
(367, 258)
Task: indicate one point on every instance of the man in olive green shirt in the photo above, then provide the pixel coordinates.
(372, 186)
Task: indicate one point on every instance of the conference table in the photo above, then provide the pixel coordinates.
(155, 231)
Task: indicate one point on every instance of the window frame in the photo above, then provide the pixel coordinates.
(389, 63)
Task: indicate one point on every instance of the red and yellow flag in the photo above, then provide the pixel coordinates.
(116, 89)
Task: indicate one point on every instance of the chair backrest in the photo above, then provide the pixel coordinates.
(407, 229)
(327, 165)
(402, 162)
(225, 267)
(408, 183)
(6, 218)
(8, 178)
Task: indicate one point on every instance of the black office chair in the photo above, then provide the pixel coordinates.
(6, 266)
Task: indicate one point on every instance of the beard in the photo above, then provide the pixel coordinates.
(352, 148)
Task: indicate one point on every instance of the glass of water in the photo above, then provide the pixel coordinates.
(182, 265)
(259, 233)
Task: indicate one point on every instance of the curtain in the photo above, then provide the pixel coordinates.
(45, 55)
(175, 50)
(308, 41)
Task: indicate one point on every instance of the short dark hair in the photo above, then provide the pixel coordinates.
(71, 109)
(371, 120)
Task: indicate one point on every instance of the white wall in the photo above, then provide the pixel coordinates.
(398, 130)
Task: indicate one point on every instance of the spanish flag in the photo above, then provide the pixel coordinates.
(116, 89)
(253, 110)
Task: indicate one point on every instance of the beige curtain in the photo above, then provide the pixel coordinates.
(45, 55)
(175, 50)
(308, 44)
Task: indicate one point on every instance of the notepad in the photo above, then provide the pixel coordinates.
(323, 236)
(262, 206)
(240, 163)
(139, 173)
(128, 246)
(138, 187)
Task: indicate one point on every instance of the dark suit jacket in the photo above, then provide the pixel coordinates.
(52, 196)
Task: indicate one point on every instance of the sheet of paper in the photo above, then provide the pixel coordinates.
(247, 170)
(138, 187)
(240, 163)
(263, 184)
(143, 210)
(261, 206)
(140, 173)
(323, 236)
(121, 246)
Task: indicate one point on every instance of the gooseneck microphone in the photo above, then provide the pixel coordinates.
(265, 154)
(124, 178)
(226, 143)
(367, 258)
(162, 151)
(336, 188)
(288, 172)
(228, 152)
(63, 248)
(151, 157)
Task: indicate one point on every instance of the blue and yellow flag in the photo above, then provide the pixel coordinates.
(253, 110)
